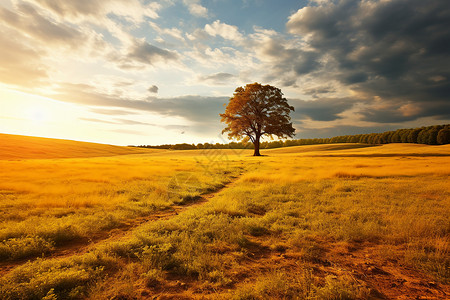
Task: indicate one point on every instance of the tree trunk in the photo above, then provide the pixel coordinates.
(256, 144)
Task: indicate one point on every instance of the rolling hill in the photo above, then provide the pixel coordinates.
(14, 147)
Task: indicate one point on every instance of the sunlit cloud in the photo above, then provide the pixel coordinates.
(195, 8)
(82, 10)
(223, 30)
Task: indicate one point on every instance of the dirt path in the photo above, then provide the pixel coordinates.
(385, 277)
(83, 245)
(388, 277)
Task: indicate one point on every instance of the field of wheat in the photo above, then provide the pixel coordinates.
(341, 221)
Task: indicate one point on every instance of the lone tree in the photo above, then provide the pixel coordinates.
(256, 110)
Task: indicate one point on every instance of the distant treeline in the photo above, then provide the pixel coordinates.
(430, 135)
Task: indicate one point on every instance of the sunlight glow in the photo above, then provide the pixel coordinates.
(34, 115)
(27, 114)
(38, 114)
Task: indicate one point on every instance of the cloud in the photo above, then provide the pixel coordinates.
(30, 22)
(90, 30)
(199, 34)
(34, 44)
(195, 8)
(388, 50)
(175, 33)
(45, 31)
(149, 54)
(401, 111)
(20, 64)
(131, 122)
(282, 60)
(221, 58)
(196, 128)
(142, 54)
(319, 90)
(228, 32)
(325, 109)
(80, 10)
(153, 89)
(217, 78)
(111, 112)
(119, 121)
(97, 121)
(196, 109)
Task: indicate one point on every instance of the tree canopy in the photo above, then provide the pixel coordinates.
(257, 110)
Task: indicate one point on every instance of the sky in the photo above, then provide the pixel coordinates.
(135, 72)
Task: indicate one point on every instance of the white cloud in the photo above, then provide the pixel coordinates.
(228, 32)
(173, 32)
(198, 35)
(195, 8)
(225, 59)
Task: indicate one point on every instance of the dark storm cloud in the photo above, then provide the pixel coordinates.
(390, 49)
(408, 112)
(354, 77)
(316, 91)
(321, 109)
(285, 60)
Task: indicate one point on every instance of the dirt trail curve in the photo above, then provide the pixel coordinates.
(83, 245)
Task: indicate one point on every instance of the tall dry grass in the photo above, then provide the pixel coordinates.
(285, 202)
(46, 203)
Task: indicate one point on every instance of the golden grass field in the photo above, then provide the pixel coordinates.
(14, 147)
(338, 221)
